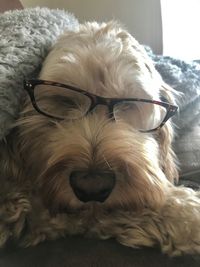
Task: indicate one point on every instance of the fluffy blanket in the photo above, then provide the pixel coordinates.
(26, 37)
(185, 78)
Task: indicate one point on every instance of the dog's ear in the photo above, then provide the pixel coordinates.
(168, 159)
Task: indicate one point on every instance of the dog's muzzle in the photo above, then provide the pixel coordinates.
(92, 185)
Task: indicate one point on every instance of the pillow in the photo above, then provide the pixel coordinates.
(25, 39)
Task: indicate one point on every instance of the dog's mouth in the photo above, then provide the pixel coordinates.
(92, 209)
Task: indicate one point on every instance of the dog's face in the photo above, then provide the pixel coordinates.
(95, 159)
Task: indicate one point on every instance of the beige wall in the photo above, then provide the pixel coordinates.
(141, 17)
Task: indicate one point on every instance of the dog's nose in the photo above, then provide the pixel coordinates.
(93, 185)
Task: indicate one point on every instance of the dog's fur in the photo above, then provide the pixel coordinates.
(144, 208)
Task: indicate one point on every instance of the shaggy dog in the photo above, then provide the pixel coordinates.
(91, 152)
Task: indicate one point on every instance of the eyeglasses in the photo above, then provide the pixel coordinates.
(61, 101)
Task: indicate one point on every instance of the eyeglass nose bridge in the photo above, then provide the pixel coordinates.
(97, 100)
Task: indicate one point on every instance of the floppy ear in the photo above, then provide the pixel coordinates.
(168, 159)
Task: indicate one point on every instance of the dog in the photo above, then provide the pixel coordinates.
(92, 150)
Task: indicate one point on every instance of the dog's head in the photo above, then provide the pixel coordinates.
(91, 141)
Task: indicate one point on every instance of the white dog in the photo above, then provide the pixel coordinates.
(91, 152)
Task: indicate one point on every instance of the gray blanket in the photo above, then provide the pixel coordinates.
(25, 39)
(184, 77)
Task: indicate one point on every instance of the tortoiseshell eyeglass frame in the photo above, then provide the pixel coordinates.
(29, 86)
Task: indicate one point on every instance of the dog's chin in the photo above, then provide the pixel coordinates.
(94, 208)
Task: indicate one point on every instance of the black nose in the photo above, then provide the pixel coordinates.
(93, 185)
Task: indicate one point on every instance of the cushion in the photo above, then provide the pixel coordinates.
(81, 252)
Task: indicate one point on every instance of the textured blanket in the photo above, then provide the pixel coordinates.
(185, 78)
(25, 39)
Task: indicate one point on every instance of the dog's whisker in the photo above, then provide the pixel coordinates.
(107, 163)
